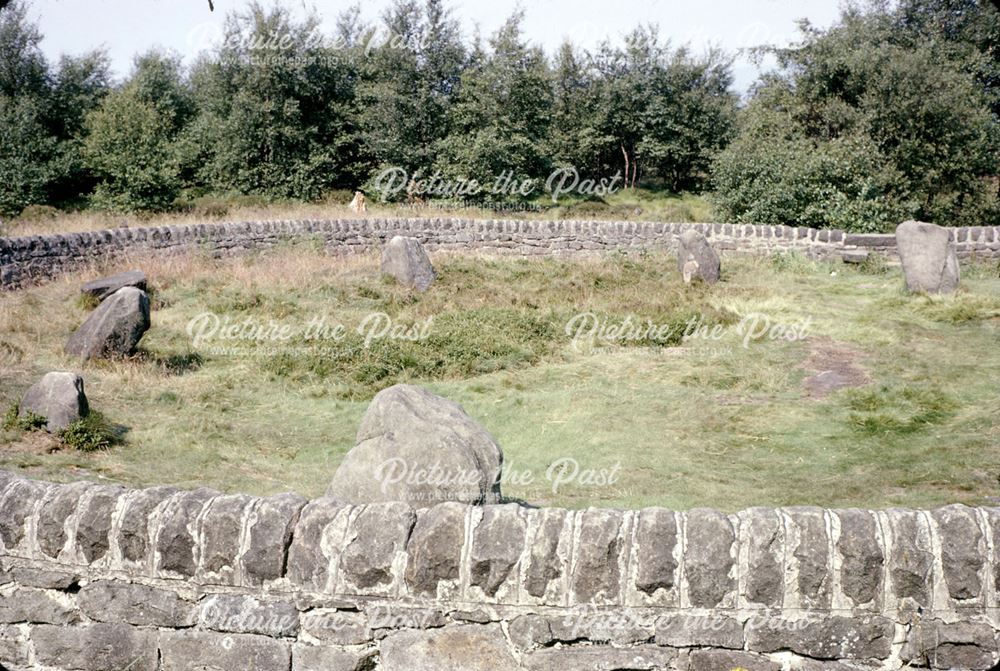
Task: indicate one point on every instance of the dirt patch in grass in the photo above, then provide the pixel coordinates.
(834, 367)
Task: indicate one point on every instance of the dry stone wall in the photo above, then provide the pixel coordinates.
(96, 577)
(33, 258)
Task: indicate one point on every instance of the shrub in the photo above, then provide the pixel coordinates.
(90, 433)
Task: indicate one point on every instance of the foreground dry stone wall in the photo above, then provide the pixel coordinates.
(33, 258)
(97, 577)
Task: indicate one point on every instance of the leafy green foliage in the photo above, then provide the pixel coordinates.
(90, 433)
(30, 421)
(867, 124)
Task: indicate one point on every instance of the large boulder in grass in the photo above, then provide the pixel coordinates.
(405, 259)
(420, 448)
(103, 287)
(58, 397)
(927, 252)
(696, 259)
(114, 328)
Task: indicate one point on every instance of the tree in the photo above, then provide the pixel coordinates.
(863, 126)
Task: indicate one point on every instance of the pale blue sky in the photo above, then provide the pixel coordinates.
(128, 27)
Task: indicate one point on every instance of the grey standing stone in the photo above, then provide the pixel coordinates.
(928, 256)
(465, 647)
(114, 328)
(404, 258)
(103, 287)
(58, 397)
(140, 605)
(696, 259)
(420, 448)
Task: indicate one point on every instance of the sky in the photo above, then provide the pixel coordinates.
(125, 28)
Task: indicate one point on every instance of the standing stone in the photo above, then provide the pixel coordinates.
(114, 328)
(405, 259)
(58, 397)
(103, 287)
(928, 255)
(696, 259)
(417, 447)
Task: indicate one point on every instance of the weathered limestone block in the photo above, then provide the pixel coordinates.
(420, 448)
(336, 626)
(176, 539)
(376, 541)
(114, 329)
(530, 631)
(696, 260)
(15, 508)
(191, 650)
(717, 660)
(435, 548)
(404, 259)
(762, 533)
(270, 534)
(927, 253)
(93, 529)
(134, 534)
(316, 543)
(656, 543)
(692, 630)
(963, 550)
(42, 579)
(95, 647)
(386, 618)
(26, 604)
(466, 647)
(832, 637)
(911, 557)
(103, 287)
(322, 658)
(549, 555)
(58, 397)
(597, 569)
(862, 558)
(809, 543)
(600, 625)
(600, 658)
(13, 647)
(708, 559)
(249, 615)
(970, 646)
(220, 541)
(120, 602)
(497, 543)
(57, 508)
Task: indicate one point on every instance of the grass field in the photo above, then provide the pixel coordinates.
(866, 396)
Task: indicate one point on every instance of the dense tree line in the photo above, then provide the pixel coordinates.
(894, 112)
